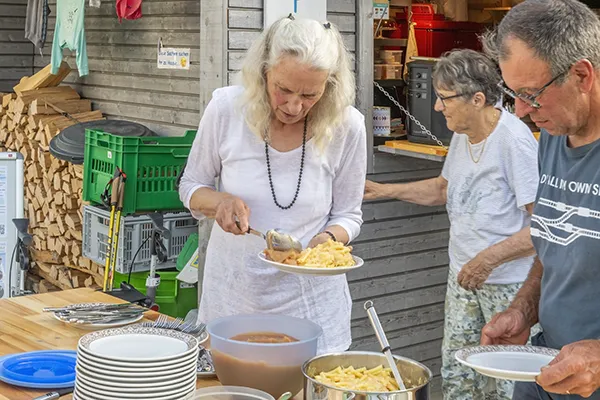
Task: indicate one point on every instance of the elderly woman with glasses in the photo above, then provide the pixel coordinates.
(488, 184)
(289, 150)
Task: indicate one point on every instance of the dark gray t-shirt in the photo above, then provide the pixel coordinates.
(565, 229)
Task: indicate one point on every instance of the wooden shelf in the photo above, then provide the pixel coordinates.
(502, 9)
(414, 150)
(391, 42)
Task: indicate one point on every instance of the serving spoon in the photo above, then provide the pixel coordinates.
(385, 346)
(276, 239)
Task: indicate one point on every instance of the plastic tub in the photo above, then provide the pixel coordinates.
(274, 368)
(42, 368)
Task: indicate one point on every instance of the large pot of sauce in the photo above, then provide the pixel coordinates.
(416, 377)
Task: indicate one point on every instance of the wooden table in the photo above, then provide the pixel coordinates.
(25, 327)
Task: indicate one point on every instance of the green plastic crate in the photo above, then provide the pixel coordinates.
(174, 298)
(151, 164)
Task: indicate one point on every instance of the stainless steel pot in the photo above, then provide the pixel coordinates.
(416, 376)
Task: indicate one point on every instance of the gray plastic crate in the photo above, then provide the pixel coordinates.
(135, 229)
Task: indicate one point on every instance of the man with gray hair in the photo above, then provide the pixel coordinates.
(549, 55)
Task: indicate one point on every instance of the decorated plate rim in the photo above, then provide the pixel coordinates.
(465, 353)
(190, 341)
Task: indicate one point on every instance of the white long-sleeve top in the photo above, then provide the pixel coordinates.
(235, 280)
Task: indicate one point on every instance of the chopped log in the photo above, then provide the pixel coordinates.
(61, 124)
(47, 287)
(43, 78)
(52, 94)
(7, 98)
(49, 256)
(41, 107)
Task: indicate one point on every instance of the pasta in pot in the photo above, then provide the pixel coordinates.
(378, 379)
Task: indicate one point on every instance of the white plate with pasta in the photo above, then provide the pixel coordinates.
(329, 258)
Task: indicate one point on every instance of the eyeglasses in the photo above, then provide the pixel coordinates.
(530, 99)
(444, 98)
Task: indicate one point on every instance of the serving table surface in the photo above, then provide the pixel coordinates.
(25, 327)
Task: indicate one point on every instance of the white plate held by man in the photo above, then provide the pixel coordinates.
(511, 362)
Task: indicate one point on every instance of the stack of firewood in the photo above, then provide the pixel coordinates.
(29, 118)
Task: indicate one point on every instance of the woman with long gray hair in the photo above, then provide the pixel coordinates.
(488, 184)
(290, 152)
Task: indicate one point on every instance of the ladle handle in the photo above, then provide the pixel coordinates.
(370, 309)
(257, 233)
(250, 230)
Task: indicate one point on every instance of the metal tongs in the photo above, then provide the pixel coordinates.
(385, 345)
(276, 239)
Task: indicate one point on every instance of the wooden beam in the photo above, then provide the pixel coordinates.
(364, 73)
(213, 49)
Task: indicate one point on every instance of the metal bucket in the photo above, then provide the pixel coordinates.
(416, 376)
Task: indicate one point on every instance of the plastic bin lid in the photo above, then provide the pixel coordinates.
(229, 393)
(69, 144)
(40, 369)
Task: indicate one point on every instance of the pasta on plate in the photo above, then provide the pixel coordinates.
(329, 254)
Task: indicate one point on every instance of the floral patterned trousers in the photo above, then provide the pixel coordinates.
(466, 313)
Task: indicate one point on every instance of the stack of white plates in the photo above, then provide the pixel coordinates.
(136, 363)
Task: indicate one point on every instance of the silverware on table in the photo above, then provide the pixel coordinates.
(96, 313)
(92, 307)
(191, 327)
(100, 319)
(205, 363)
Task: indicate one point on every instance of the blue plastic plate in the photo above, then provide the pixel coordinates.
(51, 369)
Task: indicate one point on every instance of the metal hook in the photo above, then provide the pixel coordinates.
(159, 45)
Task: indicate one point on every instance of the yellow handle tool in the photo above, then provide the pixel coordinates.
(113, 204)
(115, 241)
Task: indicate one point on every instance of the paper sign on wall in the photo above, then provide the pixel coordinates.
(381, 10)
(170, 58)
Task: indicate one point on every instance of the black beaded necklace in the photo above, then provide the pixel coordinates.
(299, 175)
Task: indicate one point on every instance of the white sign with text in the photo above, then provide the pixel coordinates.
(170, 58)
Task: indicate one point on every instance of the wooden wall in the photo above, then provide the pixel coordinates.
(124, 81)
(405, 248)
(16, 53)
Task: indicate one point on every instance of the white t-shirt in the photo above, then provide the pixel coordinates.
(486, 200)
(235, 280)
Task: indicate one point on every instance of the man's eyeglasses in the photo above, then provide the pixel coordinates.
(444, 98)
(529, 99)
